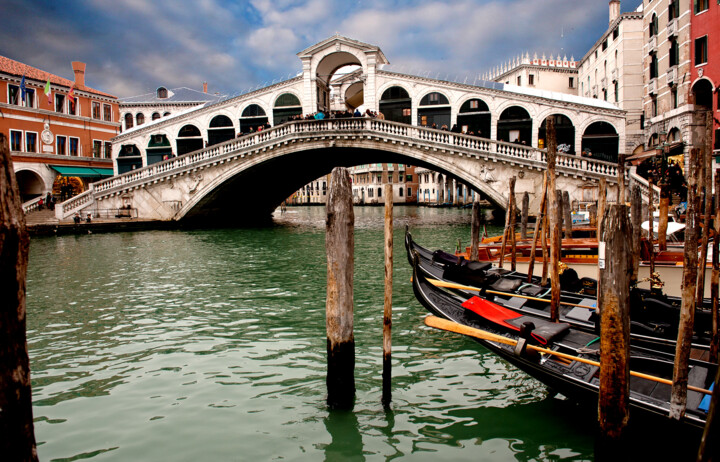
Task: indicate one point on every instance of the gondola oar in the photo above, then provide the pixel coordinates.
(450, 326)
(452, 285)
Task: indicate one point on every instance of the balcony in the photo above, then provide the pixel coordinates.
(614, 74)
(652, 86)
(672, 75)
(672, 28)
(603, 82)
(652, 45)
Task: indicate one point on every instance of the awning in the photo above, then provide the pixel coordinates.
(85, 172)
(640, 156)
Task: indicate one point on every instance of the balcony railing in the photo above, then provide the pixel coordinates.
(672, 28)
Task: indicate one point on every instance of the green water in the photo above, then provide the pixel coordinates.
(210, 345)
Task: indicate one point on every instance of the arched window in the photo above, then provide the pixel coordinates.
(165, 114)
(140, 118)
(287, 106)
(474, 118)
(189, 139)
(252, 117)
(434, 99)
(129, 121)
(155, 115)
(221, 129)
(396, 105)
(162, 92)
(515, 125)
(438, 114)
(600, 141)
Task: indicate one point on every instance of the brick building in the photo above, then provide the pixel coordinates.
(58, 141)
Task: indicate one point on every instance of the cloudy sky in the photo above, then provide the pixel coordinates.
(133, 46)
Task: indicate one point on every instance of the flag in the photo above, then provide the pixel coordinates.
(47, 92)
(22, 88)
(71, 93)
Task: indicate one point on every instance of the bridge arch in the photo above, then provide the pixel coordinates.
(434, 107)
(702, 92)
(600, 140)
(564, 132)
(30, 184)
(515, 124)
(395, 103)
(189, 138)
(129, 158)
(221, 128)
(252, 116)
(158, 147)
(286, 106)
(326, 63)
(475, 113)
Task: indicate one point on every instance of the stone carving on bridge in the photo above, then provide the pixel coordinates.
(196, 178)
(487, 175)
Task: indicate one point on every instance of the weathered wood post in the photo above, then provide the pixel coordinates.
(508, 213)
(17, 433)
(567, 213)
(664, 209)
(545, 250)
(340, 249)
(614, 305)
(524, 215)
(678, 397)
(387, 311)
(602, 203)
(651, 225)
(538, 226)
(555, 218)
(709, 444)
(475, 229)
(715, 278)
(706, 189)
(621, 179)
(513, 221)
(636, 218)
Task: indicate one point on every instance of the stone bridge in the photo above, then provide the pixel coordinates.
(244, 179)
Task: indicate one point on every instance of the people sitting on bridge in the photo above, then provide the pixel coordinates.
(357, 113)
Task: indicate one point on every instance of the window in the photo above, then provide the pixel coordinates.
(653, 106)
(433, 98)
(155, 115)
(604, 45)
(615, 33)
(701, 5)
(59, 102)
(617, 92)
(162, 92)
(13, 94)
(379, 192)
(128, 121)
(97, 147)
(73, 106)
(571, 82)
(29, 97)
(409, 192)
(407, 112)
(108, 150)
(423, 120)
(400, 191)
(74, 146)
(673, 53)
(16, 137)
(61, 145)
(140, 118)
(653, 66)
(474, 104)
(701, 50)
(653, 29)
(107, 112)
(519, 80)
(95, 110)
(605, 94)
(30, 142)
(673, 10)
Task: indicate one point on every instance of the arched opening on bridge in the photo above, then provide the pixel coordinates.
(396, 105)
(287, 106)
(474, 116)
(354, 96)
(600, 141)
(65, 187)
(702, 94)
(434, 110)
(155, 115)
(129, 158)
(252, 117)
(326, 71)
(221, 129)
(189, 139)
(30, 184)
(653, 141)
(140, 118)
(347, 91)
(158, 149)
(564, 134)
(128, 121)
(515, 126)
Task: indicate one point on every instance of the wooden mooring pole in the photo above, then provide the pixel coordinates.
(555, 219)
(602, 203)
(651, 225)
(636, 220)
(538, 228)
(567, 213)
(614, 262)
(510, 211)
(17, 434)
(706, 189)
(524, 215)
(387, 310)
(664, 209)
(678, 397)
(340, 249)
(475, 230)
(513, 221)
(715, 278)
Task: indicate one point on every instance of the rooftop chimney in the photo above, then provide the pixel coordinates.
(79, 69)
(204, 87)
(614, 10)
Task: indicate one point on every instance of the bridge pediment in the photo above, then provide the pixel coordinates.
(338, 43)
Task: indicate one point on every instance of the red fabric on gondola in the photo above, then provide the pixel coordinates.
(491, 311)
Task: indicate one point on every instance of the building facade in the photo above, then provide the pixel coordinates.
(59, 130)
(558, 74)
(612, 71)
(369, 181)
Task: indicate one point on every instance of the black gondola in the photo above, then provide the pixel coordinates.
(654, 316)
(574, 379)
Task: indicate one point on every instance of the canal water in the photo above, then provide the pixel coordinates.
(210, 345)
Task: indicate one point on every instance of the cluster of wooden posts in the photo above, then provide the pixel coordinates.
(618, 262)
